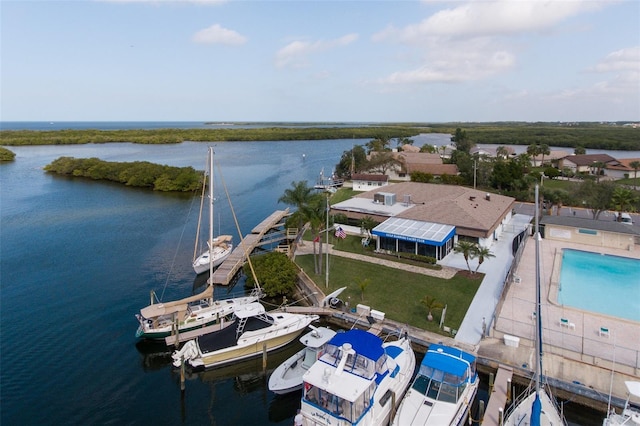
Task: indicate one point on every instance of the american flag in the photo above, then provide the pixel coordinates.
(340, 233)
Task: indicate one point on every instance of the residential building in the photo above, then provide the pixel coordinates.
(428, 219)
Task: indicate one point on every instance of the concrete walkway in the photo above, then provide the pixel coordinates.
(484, 303)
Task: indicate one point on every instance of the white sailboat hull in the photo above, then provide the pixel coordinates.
(521, 414)
(219, 255)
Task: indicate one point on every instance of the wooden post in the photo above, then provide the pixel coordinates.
(264, 357)
(500, 416)
(480, 411)
(182, 384)
(491, 379)
(509, 390)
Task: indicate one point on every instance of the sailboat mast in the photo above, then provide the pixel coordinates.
(538, 316)
(210, 212)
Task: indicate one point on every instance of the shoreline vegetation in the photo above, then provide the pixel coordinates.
(141, 174)
(609, 136)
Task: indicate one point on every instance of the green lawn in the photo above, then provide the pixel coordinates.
(395, 292)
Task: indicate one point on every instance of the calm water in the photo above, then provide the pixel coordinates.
(78, 259)
(601, 283)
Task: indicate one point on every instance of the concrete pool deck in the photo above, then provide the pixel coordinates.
(580, 346)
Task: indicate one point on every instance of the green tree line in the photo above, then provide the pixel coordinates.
(170, 136)
(586, 135)
(138, 173)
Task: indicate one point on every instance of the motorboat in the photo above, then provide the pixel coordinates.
(443, 391)
(250, 332)
(630, 414)
(357, 381)
(536, 406)
(287, 377)
(218, 248)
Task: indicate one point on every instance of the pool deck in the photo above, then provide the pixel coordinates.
(581, 347)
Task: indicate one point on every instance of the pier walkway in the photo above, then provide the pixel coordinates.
(228, 269)
(498, 396)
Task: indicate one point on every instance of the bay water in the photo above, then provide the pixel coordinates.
(78, 259)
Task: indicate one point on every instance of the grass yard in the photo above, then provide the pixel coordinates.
(395, 292)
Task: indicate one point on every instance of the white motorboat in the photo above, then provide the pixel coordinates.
(536, 405)
(630, 414)
(443, 391)
(287, 377)
(249, 333)
(218, 248)
(357, 381)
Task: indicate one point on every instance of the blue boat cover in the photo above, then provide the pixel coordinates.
(364, 343)
(447, 363)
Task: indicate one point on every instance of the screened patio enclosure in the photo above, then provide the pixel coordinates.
(414, 236)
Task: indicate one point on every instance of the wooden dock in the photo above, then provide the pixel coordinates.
(230, 267)
(498, 396)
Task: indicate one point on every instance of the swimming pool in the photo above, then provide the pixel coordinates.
(600, 283)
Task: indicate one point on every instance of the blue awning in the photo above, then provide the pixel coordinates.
(448, 359)
(364, 343)
(433, 234)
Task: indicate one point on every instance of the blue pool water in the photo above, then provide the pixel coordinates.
(600, 283)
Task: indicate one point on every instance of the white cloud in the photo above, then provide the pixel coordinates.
(501, 17)
(474, 40)
(295, 53)
(621, 60)
(456, 61)
(217, 34)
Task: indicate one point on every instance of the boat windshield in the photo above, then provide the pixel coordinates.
(438, 385)
(310, 357)
(336, 406)
(356, 363)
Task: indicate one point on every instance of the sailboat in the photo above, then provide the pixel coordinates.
(159, 319)
(536, 406)
(218, 248)
(630, 414)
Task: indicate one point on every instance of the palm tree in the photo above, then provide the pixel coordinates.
(468, 250)
(431, 303)
(298, 195)
(482, 253)
(544, 150)
(314, 213)
(363, 283)
(533, 150)
(623, 200)
(597, 166)
(636, 165)
(502, 152)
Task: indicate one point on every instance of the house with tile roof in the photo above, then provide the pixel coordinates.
(367, 182)
(410, 162)
(428, 219)
(585, 163)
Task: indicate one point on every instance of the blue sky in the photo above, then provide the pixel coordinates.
(371, 61)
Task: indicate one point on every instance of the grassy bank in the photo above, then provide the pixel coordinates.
(396, 292)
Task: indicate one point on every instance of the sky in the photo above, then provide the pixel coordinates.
(320, 61)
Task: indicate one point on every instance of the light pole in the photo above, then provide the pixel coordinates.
(326, 272)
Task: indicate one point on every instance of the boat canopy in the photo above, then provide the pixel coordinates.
(248, 310)
(159, 309)
(363, 343)
(633, 388)
(447, 364)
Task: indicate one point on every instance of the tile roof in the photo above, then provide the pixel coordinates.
(449, 204)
